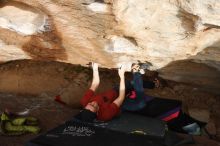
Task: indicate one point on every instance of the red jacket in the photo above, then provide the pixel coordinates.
(107, 109)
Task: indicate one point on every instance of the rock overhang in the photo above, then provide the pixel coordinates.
(113, 32)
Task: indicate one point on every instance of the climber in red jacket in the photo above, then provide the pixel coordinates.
(104, 106)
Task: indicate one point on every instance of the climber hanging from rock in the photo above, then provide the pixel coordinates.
(130, 96)
(104, 106)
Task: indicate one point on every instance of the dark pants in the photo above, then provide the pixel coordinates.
(135, 85)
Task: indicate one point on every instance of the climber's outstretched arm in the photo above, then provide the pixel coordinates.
(95, 79)
(119, 100)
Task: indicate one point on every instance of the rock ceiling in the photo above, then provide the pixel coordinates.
(181, 39)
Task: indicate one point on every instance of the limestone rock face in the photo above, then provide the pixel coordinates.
(170, 34)
(169, 30)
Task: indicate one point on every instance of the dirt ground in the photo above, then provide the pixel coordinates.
(33, 85)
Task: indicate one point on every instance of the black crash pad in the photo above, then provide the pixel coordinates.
(137, 124)
(127, 130)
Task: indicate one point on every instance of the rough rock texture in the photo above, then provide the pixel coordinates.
(170, 30)
(170, 34)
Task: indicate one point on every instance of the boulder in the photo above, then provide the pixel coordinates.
(170, 34)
